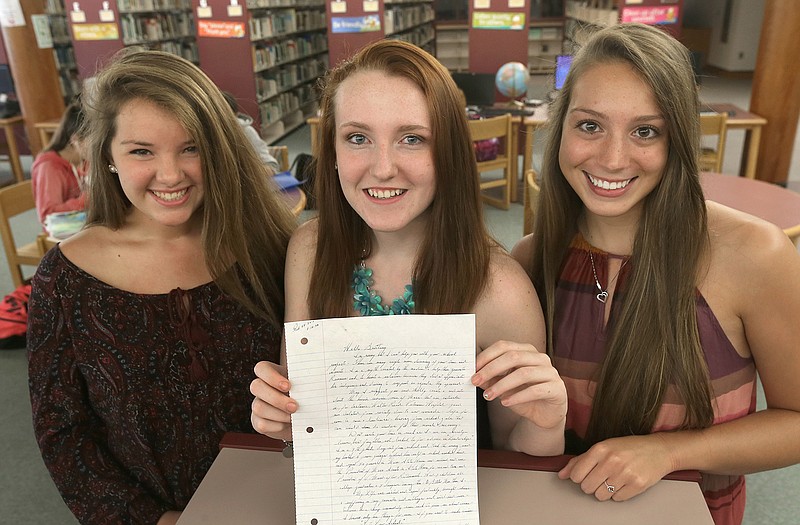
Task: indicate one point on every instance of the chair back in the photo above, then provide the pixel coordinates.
(714, 125)
(281, 154)
(14, 200)
(496, 127)
(531, 202)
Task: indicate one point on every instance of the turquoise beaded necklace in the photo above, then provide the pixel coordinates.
(366, 302)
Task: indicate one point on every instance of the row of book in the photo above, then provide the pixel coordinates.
(256, 4)
(401, 18)
(275, 108)
(157, 27)
(277, 80)
(276, 23)
(154, 5)
(271, 54)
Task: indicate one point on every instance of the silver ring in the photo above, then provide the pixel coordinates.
(609, 488)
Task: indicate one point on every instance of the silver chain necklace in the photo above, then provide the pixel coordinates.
(603, 294)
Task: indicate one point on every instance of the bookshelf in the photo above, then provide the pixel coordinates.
(452, 46)
(412, 21)
(268, 54)
(63, 53)
(583, 17)
(100, 28)
(545, 41)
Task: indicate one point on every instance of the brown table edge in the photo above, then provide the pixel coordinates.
(486, 458)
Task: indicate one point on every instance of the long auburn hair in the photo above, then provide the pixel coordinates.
(654, 342)
(453, 261)
(244, 220)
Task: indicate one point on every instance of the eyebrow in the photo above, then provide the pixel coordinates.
(640, 118)
(137, 142)
(404, 128)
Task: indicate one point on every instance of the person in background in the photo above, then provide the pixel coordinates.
(661, 308)
(145, 326)
(261, 147)
(400, 216)
(58, 172)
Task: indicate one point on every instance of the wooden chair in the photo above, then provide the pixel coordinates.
(281, 154)
(14, 200)
(713, 125)
(531, 197)
(499, 127)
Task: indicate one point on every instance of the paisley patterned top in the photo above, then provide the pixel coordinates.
(580, 339)
(131, 393)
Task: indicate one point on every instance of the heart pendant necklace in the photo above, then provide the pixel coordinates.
(602, 296)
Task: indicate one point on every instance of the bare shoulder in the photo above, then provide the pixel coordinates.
(743, 244)
(523, 250)
(304, 240)
(509, 308)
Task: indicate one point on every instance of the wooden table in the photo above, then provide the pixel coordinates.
(11, 139)
(251, 483)
(764, 200)
(751, 123)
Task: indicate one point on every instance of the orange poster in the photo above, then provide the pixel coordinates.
(219, 29)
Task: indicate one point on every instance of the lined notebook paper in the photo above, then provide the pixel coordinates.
(386, 426)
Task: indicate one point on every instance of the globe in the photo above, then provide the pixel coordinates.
(512, 79)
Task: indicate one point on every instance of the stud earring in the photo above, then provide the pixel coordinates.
(112, 168)
(336, 166)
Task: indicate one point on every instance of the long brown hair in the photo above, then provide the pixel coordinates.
(244, 219)
(453, 262)
(655, 341)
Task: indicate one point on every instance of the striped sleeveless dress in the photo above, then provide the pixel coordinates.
(579, 340)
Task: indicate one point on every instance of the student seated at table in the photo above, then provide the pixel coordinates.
(145, 326)
(661, 307)
(400, 217)
(246, 122)
(58, 172)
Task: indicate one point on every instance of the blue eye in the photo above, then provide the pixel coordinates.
(140, 152)
(413, 140)
(357, 138)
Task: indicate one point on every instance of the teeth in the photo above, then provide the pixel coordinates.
(384, 194)
(608, 185)
(170, 196)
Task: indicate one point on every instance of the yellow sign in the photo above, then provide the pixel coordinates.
(108, 31)
(488, 20)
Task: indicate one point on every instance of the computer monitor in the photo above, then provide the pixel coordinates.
(6, 82)
(563, 63)
(478, 88)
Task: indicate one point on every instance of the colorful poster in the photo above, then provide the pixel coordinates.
(651, 15)
(512, 21)
(220, 29)
(356, 24)
(95, 31)
(11, 14)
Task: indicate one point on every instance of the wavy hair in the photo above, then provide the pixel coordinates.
(452, 266)
(244, 219)
(655, 337)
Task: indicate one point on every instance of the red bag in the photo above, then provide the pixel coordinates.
(14, 318)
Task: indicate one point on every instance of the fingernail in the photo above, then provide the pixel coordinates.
(487, 396)
(285, 386)
(476, 380)
(291, 407)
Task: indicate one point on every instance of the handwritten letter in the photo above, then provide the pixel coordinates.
(386, 427)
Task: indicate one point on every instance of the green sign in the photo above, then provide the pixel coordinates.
(484, 20)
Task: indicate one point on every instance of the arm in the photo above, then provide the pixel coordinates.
(272, 407)
(527, 398)
(768, 309)
(55, 183)
(95, 487)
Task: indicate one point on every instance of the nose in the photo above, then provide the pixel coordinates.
(614, 154)
(170, 172)
(384, 165)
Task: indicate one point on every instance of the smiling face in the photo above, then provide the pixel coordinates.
(384, 150)
(158, 164)
(614, 143)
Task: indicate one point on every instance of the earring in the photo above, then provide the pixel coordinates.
(336, 166)
(112, 168)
